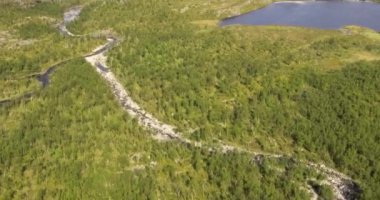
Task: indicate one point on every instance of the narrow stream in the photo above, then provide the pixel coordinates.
(44, 78)
(344, 187)
(25, 97)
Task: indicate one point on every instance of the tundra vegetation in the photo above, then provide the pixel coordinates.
(308, 93)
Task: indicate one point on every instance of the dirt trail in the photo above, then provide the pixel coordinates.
(344, 187)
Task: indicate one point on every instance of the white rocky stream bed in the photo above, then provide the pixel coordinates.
(343, 187)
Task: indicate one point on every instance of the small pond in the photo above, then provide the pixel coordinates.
(313, 14)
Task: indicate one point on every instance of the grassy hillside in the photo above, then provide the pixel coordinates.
(310, 93)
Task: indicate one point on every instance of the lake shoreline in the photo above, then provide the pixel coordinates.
(311, 14)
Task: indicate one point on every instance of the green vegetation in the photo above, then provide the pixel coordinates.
(73, 141)
(270, 88)
(310, 93)
(323, 191)
(31, 44)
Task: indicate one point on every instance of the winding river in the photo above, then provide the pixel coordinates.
(344, 187)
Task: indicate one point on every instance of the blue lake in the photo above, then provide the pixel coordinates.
(314, 14)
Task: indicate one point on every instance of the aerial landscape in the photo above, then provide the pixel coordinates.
(189, 99)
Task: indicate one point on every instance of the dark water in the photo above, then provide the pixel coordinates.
(101, 67)
(317, 14)
(25, 97)
(44, 78)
